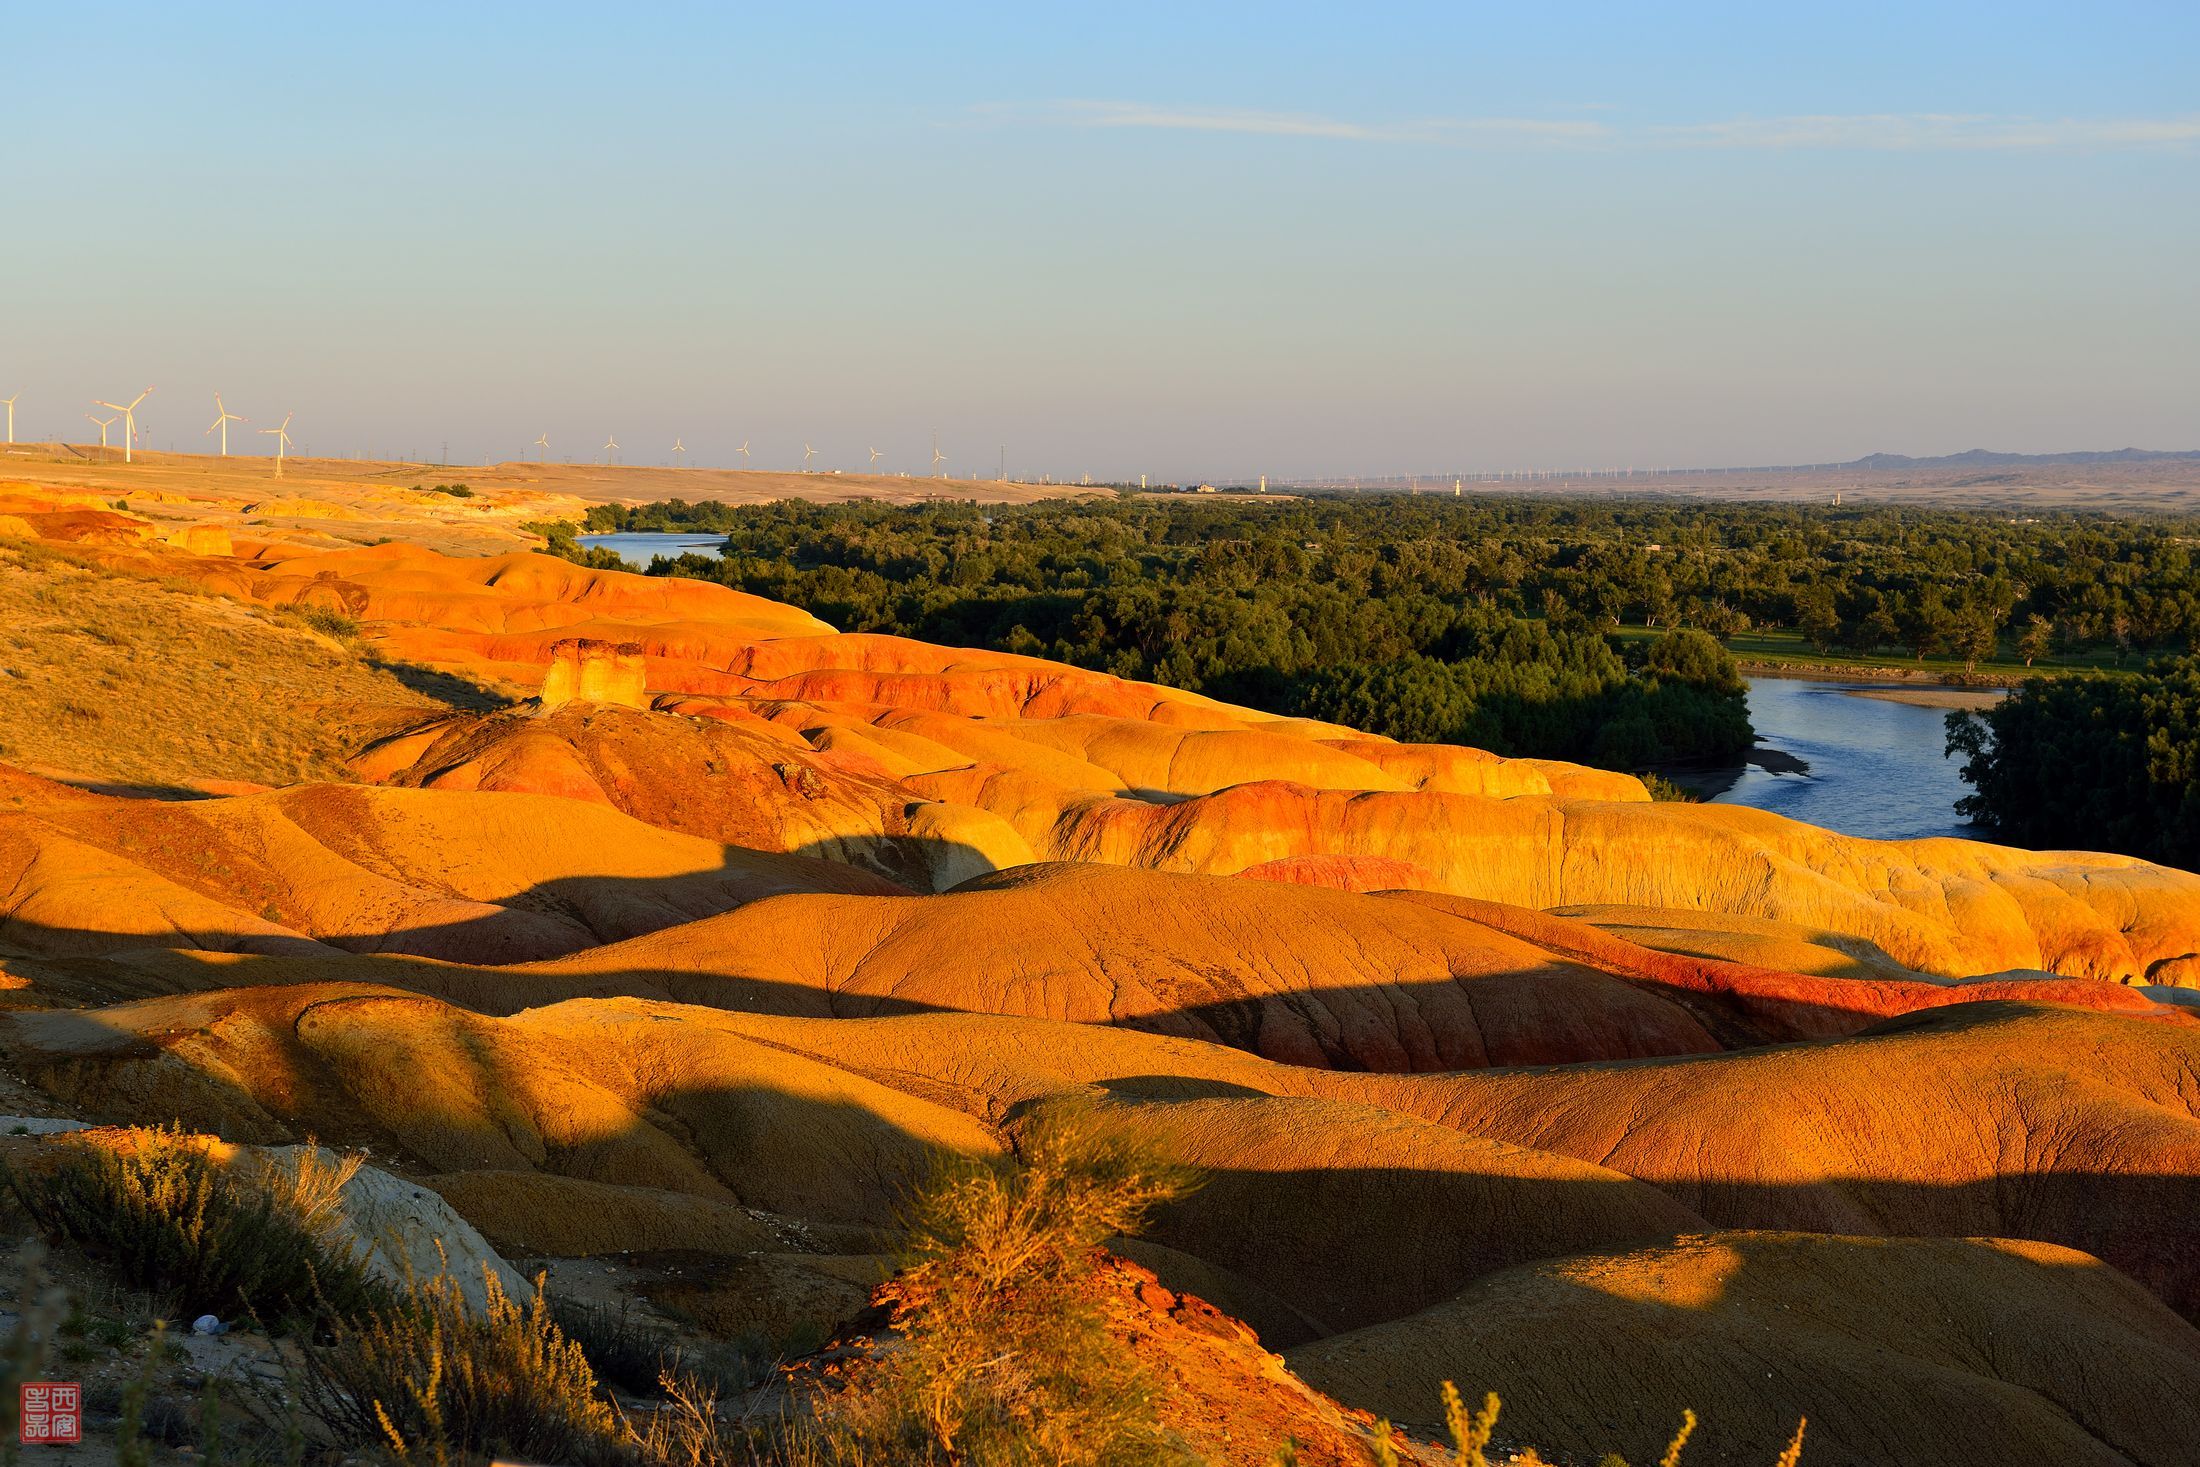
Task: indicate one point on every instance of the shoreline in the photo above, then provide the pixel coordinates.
(1708, 781)
(1851, 673)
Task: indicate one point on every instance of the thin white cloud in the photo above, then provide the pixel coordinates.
(1922, 131)
(1872, 132)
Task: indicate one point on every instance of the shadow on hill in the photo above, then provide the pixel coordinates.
(562, 940)
(127, 790)
(828, 1134)
(447, 688)
(1592, 996)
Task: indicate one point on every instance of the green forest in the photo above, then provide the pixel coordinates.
(1890, 580)
(1565, 629)
(2092, 762)
(1328, 614)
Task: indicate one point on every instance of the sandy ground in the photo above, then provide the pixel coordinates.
(332, 502)
(1932, 697)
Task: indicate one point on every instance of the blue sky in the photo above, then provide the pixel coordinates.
(1175, 239)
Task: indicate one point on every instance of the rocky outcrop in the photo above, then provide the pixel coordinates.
(602, 674)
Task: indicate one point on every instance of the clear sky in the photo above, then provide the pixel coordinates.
(1179, 239)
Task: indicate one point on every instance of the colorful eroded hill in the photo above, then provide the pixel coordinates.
(1496, 1071)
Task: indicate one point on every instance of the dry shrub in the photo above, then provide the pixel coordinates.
(322, 619)
(433, 1380)
(1470, 1433)
(167, 1217)
(1004, 1357)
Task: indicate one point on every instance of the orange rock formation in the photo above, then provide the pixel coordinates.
(1496, 1071)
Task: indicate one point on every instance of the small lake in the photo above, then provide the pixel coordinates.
(1876, 768)
(640, 547)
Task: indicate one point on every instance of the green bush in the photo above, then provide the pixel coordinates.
(165, 1216)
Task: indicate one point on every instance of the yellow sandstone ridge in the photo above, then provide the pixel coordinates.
(584, 670)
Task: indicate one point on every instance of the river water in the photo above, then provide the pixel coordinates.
(1876, 768)
(641, 546)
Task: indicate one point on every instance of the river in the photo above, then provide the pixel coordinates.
(1876, 767)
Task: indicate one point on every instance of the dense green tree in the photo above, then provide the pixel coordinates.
(2037, 639)
(2095, 762)
(1817, 618)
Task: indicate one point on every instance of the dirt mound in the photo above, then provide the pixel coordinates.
(119, 682)
(466, 877)
(620, 1094)
(1953, 1351)
(1298, 974)
(2079, 1127)
(744, 782)
(1980, 1120)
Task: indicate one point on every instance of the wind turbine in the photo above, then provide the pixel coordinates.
(223, 417)
(282, 441)
(875, 457)
(104, 424)
(10, 401)
(808, 453)
(610, 446)
(681, 449)
(938, 457)
(743, 450)
(129, 419)
(543, 443)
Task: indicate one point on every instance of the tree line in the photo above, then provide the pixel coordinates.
(1922, 582)
(1343, 612)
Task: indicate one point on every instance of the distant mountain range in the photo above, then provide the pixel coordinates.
(1987, 458)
